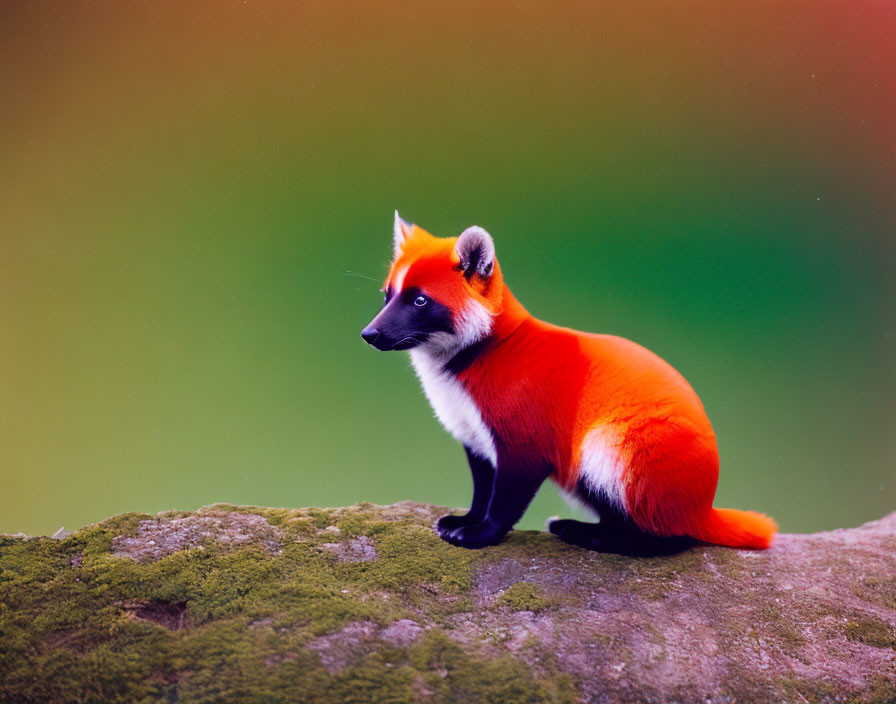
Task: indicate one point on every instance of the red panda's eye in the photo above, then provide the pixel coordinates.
(420, 301)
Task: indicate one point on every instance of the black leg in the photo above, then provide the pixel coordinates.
(617, 539)
(483, 479)
(579, 533)
(514, 487)
(615, 532)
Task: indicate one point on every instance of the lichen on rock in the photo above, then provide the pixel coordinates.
(156, 538)
(365, 603)
(360, 549)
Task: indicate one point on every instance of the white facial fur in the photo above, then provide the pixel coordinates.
(398, 279)
(473, 324)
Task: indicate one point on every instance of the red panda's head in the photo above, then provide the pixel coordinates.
(442, 293)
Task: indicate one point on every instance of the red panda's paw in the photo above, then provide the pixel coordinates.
(451, 522)
(583, 535)
(476, 536)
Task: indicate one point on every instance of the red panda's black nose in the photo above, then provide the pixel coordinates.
(369, 335)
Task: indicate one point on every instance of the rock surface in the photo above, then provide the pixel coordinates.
(366, 604)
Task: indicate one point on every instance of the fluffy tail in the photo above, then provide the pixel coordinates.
(737, 529)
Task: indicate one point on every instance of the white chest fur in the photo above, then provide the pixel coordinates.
(454, 407)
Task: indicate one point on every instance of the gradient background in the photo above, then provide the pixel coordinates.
(185, 187)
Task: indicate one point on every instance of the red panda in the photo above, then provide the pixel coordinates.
(611, 423)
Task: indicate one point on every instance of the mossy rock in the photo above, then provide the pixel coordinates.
(366, 604)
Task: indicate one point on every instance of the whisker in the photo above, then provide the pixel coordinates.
(409, 338)
(359, 275)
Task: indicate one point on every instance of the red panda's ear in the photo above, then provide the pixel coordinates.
(401, 230)
(476, 250)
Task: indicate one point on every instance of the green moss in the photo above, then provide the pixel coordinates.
(97, 539)
(79, 624)
(726, 562)
(452, 675)
(651, 578)
(882, 690)
(410, 555)
(770, 613)
(871, 632)
(531, 544)
(354, 525)
(524, 596)
(877, 589)
(453, 583)
(797, 689)
(778, 626)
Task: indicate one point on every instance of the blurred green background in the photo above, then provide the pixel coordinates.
(187, 189)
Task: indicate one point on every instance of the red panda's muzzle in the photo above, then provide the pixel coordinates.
(388, 343)
(407, 320)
